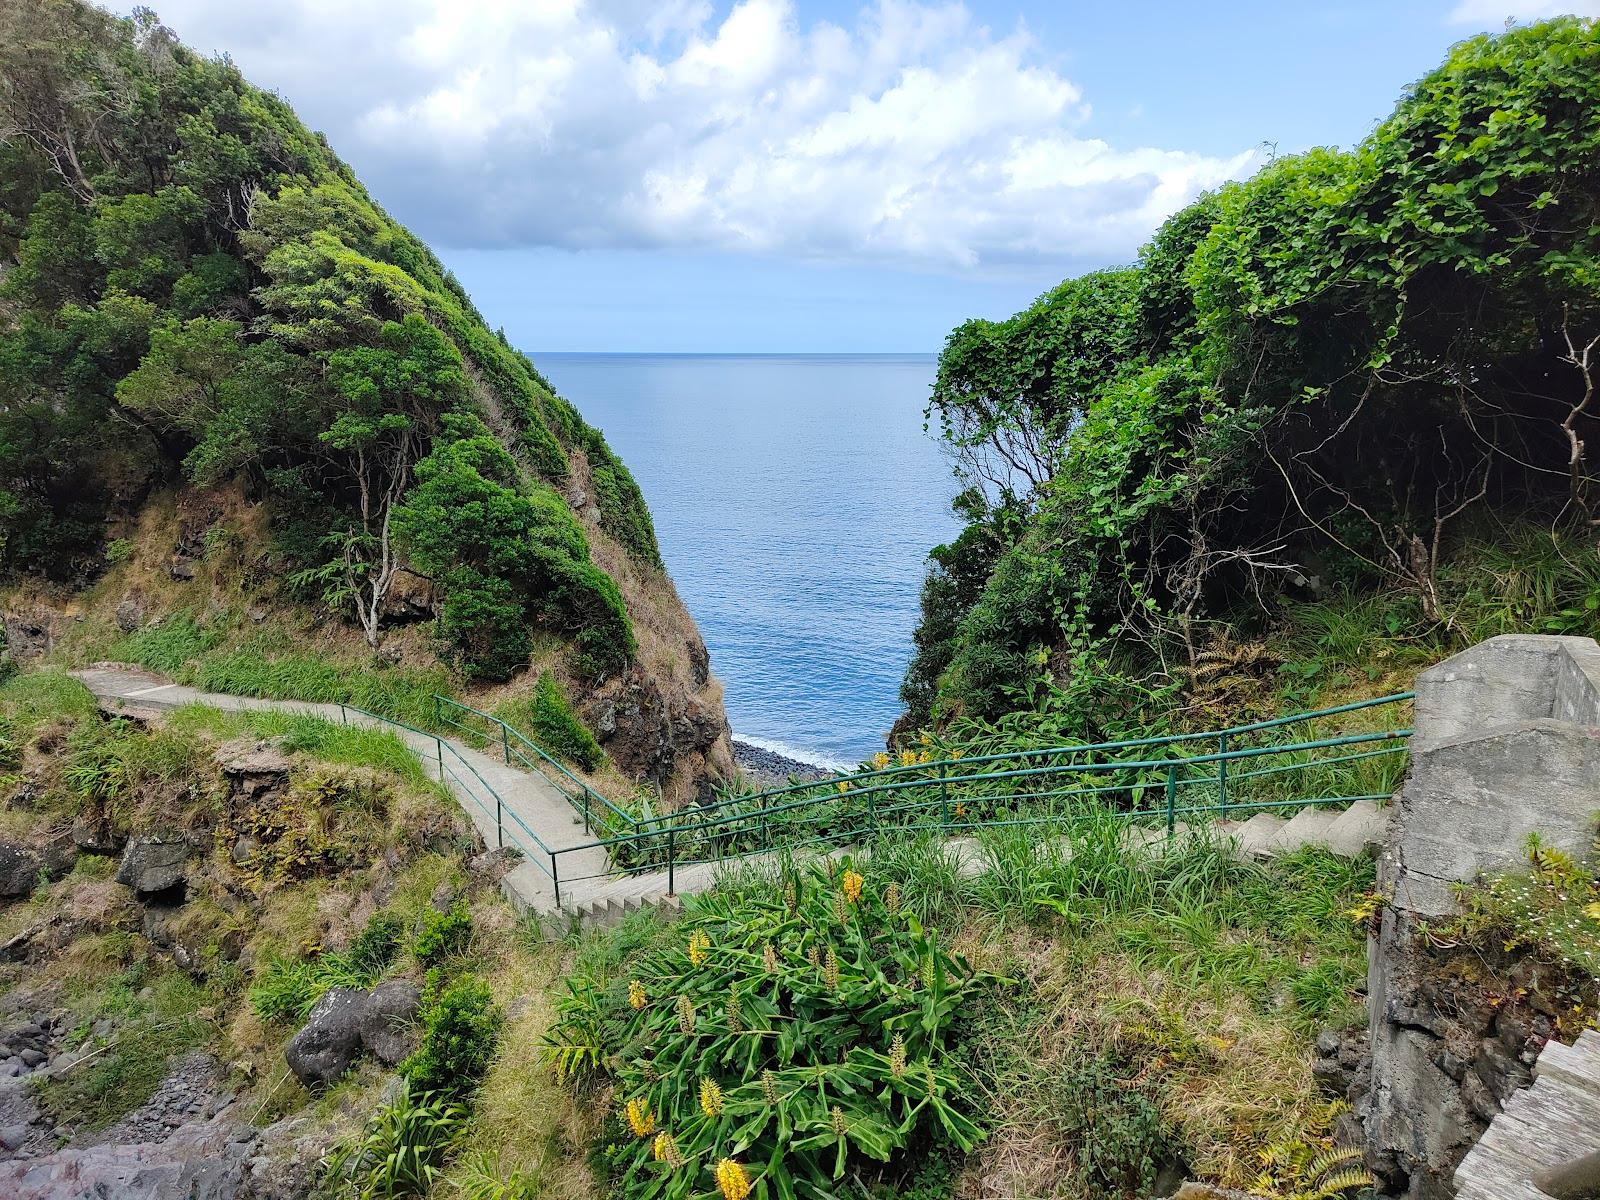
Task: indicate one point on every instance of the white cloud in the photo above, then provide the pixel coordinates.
(914, 135)
(1493, 13)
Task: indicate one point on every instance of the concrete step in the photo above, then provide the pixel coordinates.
(1256, 836)
(1359, 828)
(1309, 825)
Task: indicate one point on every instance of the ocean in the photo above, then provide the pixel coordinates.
(796, 498)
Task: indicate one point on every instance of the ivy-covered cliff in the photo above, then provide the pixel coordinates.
(1335, 421)
(202, 308)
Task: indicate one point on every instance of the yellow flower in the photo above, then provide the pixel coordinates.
(836, 1119)
(926, 738)
(852, 886)
(769, 1088)
(959, 812)
(844, 787)
(665, 1149)
(908, 758)
(636, 997)
(880, 760)
(769, 959)
(955, 753)
(897, 1056)
(891, 898)
(732, 1180)
(699, 948)
(710, 1098)
(1592, 911)
(685, 1014)
(640, 1119)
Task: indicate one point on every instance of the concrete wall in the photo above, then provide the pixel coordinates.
(1507, 744)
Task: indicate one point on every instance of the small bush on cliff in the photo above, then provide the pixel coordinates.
(443, 934)
(289, 989)
(460, 1026)
(402, 1149)
(551, 723)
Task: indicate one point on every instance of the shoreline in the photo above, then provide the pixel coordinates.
(768, 768)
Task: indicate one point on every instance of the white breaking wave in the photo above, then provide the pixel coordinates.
(809, 758)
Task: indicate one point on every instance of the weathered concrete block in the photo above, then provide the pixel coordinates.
(1505, 681)
(1470, 804)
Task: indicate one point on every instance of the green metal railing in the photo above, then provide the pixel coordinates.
(471, 784)
(1155, 781)
(1218, 773)
(520, 750)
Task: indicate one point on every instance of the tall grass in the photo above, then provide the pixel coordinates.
(268, 665)
(343, 745)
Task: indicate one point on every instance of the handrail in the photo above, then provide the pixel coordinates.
(1220, 735)
(583, 792)
(736, 825)
(501, 809)
(755, 811)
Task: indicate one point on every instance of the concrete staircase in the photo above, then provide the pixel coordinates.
(1545, 1143)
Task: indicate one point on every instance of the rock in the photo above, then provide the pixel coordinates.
(388, 1020)
(95, 835)
(150, 865)
(244, 849)
(329, 1041)
(31, 1058)
(443, 897)
(256, 768)
(28, 635)
(257, 613)
(20, 869)
(410, 599)
(183, 568)
(13, 1136)
(130, 613)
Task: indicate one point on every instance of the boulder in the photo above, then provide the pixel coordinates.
(19, 871)
(150, 865)
(256, 768)
(330, 1039)
(95, 835)
(130, 613)
(388, 1021)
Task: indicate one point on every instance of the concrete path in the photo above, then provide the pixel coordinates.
(531, 798)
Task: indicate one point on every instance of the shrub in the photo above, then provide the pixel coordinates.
(400, 1152)
(460, 1027)
(1115, 1128)
(290, 988)
(786, 1039)
(443, 934)
(557, 729)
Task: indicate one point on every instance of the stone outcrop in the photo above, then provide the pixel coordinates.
(347, 1021)
(1507, 745)
(153, 866)
(19, 871)
(388, 1020)
(330, 1039)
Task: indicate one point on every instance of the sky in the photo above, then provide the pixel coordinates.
(813, 175)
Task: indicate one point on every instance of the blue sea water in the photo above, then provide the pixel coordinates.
(796, 498)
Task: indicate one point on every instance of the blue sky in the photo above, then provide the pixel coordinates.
(813, 175)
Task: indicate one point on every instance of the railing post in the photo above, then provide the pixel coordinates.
(944, 799)
(499, 826)
(505, 742)
(555, 877)
(1222, 776)
(872, 811)
(672, 849)
(438, 711)
(344, 714)
(766, 842)
(438, 744)
(1172, 797)
(585, 806)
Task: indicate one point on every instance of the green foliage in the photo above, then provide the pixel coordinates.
(1551, 913)
(549, 720)
(200, 272)
(1203, 443)
(1115, 1128)
(402, 1149)
(288, 989)
(460, 1025)
(800, 1030)
(443, 934)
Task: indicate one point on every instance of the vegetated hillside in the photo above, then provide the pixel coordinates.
(215, 347)
(1334, 422)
